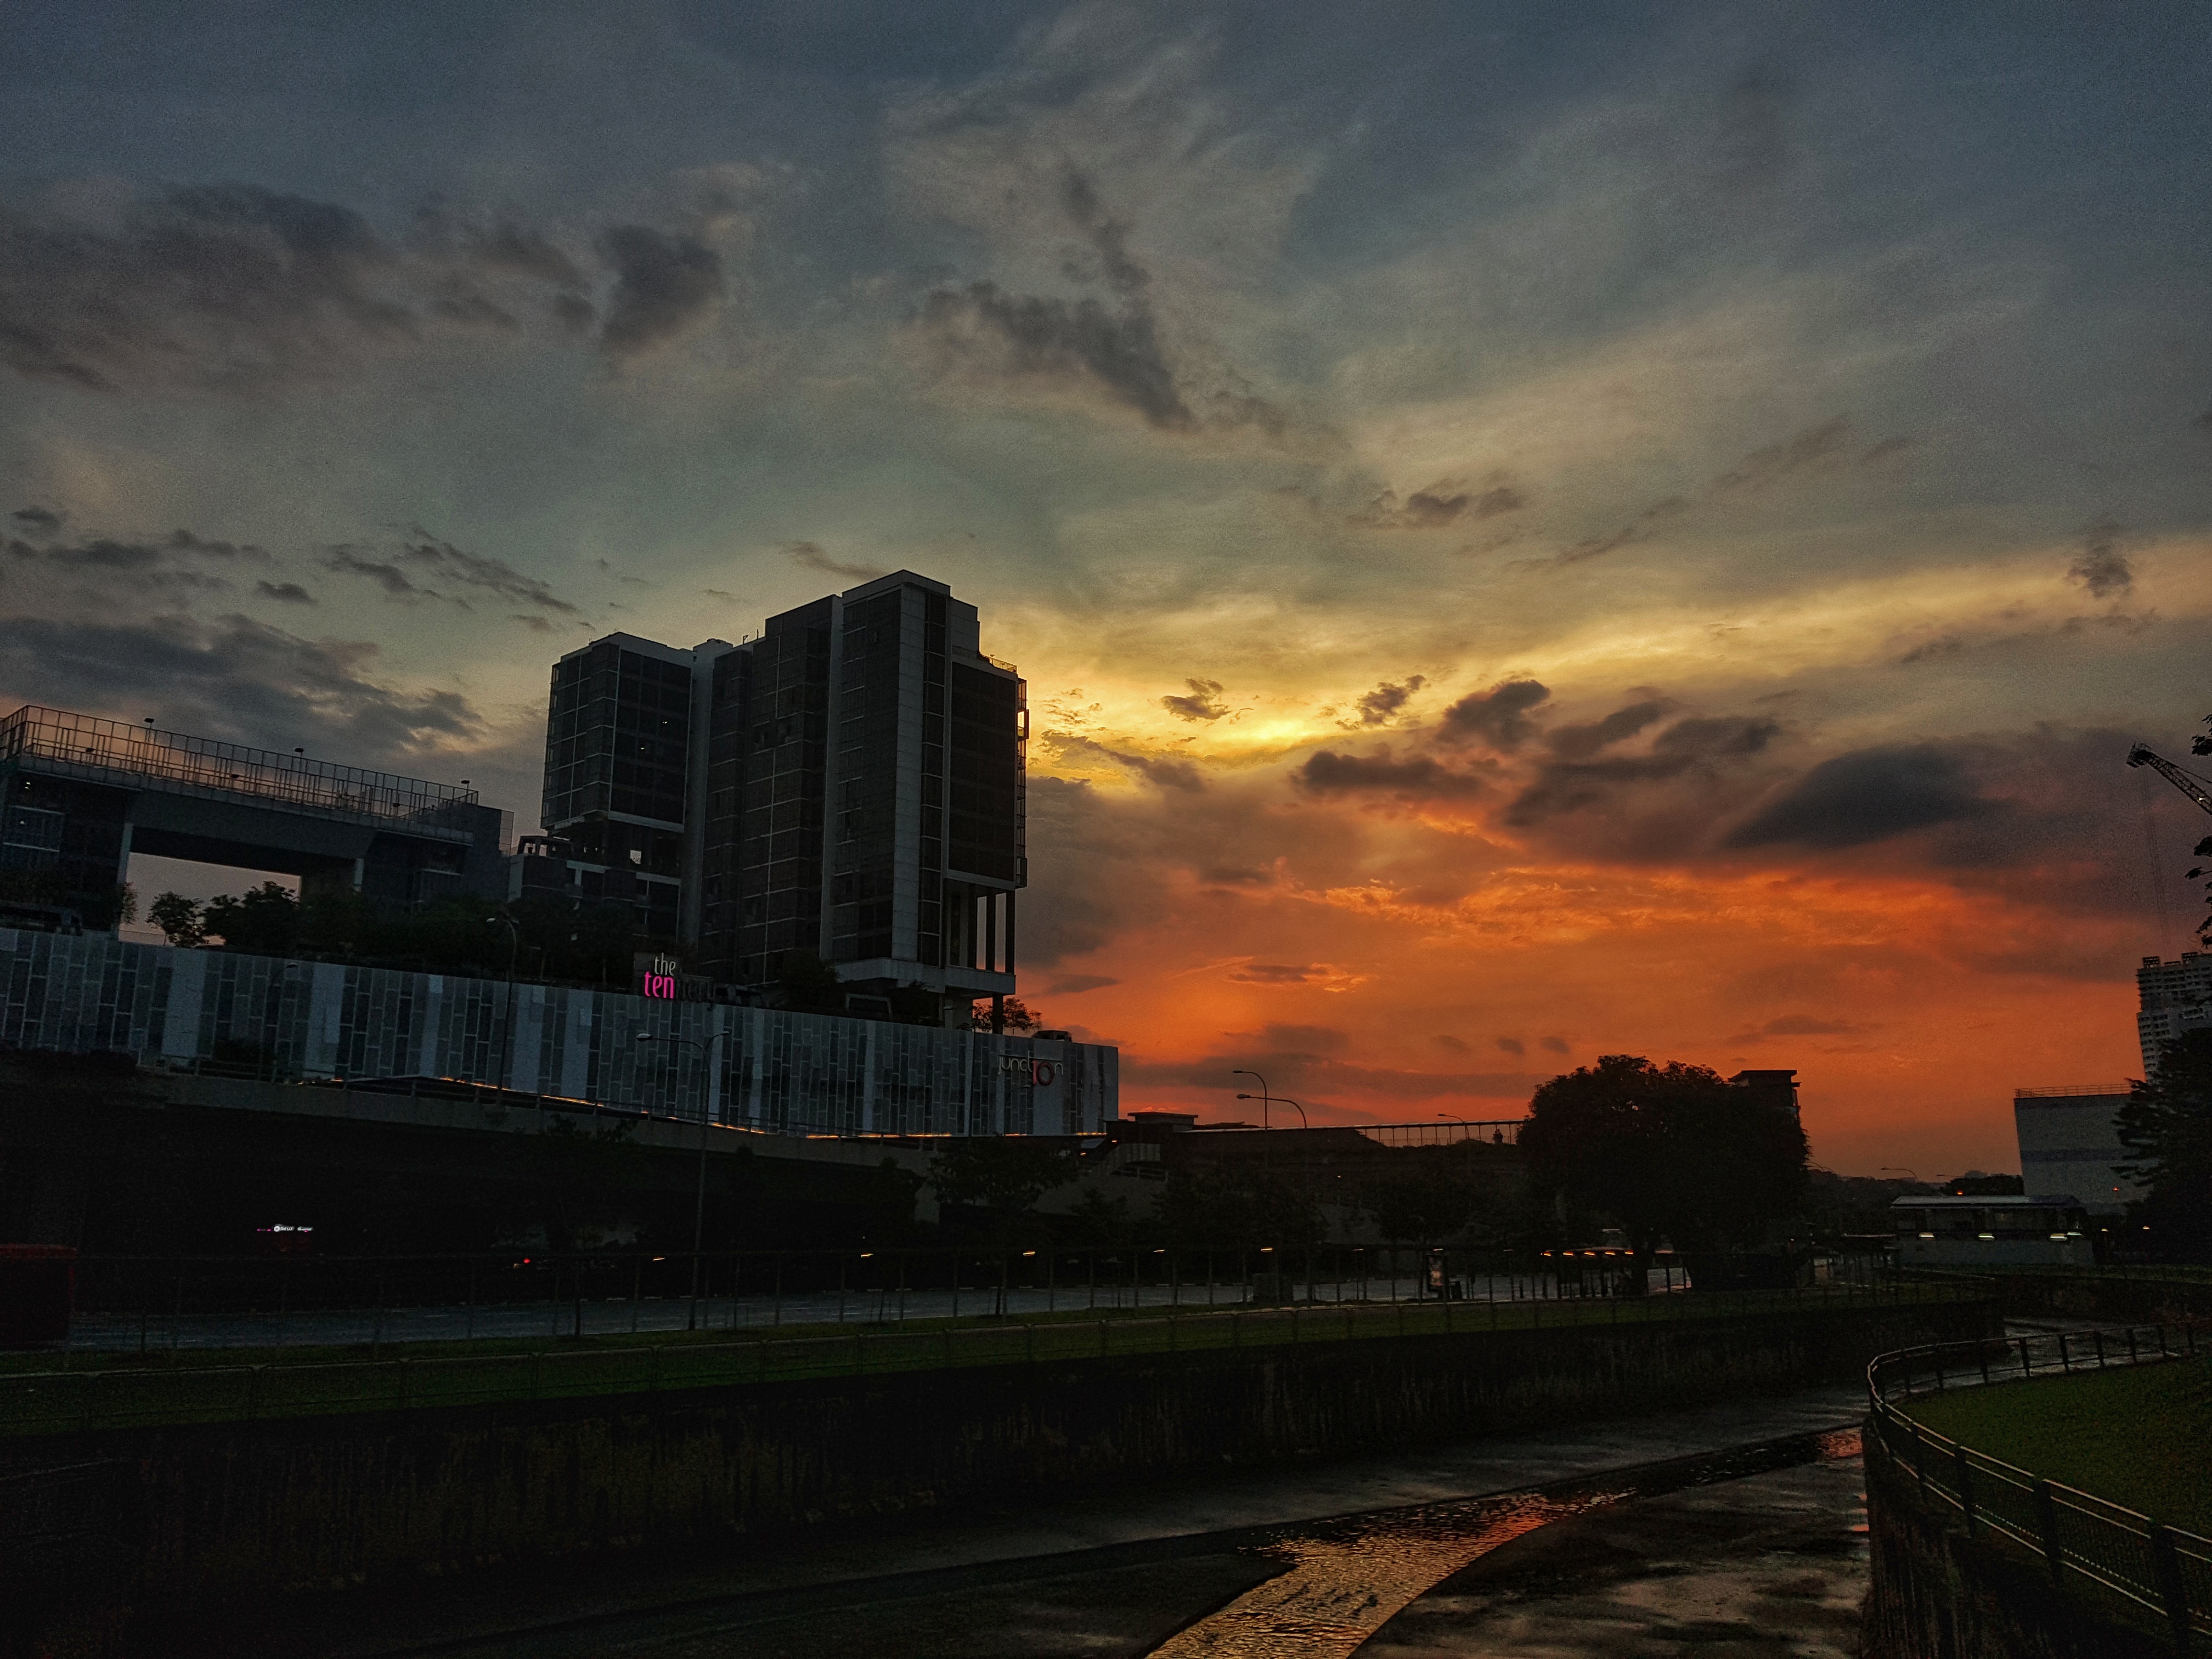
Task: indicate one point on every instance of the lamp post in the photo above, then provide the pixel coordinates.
(1279, 1100)
(706, 1113)
(1462, 1121)
(1265, 1097)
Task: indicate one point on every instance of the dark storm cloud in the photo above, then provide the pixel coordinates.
(809, 555)
(2101, 567)
(1380, 705)
(1868, 795)
(664, 288)
(1498, 717)
(234, 678)
(1201, 704)
(1580, 741)
(1415, 777)
(1699, 745)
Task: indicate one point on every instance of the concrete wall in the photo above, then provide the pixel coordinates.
(2133, 1300)
(174, 1521)
(1935, 1591)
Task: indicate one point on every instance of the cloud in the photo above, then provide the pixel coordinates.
(534, 624)
(284, 593)
(1321, 973)
(1553, 1045)
(1378, 707)
(174, 563)
(37, 520)
(1451, 1045)
(1699, 745)
(1580, 741)
(1201, 704)
(450, 567)
(234, 678)
(665, 288)
(232, 287)
(809, 555)
(1513, 1045)
(1075, 984)
(1498, 717)
(1812, 449)
(1868, 795)
(1307, 1040)
(1416, 777)
(2101, 567)
(1436, 507)
(1165, 771)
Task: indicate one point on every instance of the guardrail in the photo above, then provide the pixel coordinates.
(62, 1401)
(2163, 1570)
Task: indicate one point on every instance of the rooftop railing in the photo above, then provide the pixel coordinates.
(100, 750)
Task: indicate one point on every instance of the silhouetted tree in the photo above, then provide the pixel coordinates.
(809, 985)
(2167, 1125)
(179, 918)
(1669, 1151)
(1001, 1176)
(264, 920)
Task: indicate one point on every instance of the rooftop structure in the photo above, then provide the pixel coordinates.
(82, 795)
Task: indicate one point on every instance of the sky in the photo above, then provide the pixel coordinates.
(1532, 532)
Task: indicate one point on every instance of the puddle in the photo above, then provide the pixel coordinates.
(1345, 1579)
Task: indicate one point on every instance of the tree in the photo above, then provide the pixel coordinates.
(265, 921)
(179, 918)
(1665, 1152)
(2167, 1125)
(809, 985)
(1238, 1205)
(1422, 1206)
(1003, 1176)
(1019, 1017)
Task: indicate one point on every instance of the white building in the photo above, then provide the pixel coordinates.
(2177, 997)
(2070, 1142)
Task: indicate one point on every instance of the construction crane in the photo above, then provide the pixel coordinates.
(2197, 789)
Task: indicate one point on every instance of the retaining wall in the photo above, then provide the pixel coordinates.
(177, 1522)
(1934, 1591)
(2105, 1297)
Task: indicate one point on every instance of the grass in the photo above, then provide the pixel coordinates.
(234, 1385)
(2140, 1438)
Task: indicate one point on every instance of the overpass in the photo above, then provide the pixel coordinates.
(82, 795)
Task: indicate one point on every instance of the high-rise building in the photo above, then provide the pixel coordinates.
(850, 784)
(2177, 997)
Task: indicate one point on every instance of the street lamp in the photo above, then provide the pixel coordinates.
(1265, 1097)
(1280, 1100)
(706, 1113)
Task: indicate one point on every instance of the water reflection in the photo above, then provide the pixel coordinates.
(1345, 1579)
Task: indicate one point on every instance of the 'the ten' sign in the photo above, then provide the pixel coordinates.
(658, 979)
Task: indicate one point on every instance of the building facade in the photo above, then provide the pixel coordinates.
(2069, 1143)
(764, 1068)
(851, 785)
(2176, 997)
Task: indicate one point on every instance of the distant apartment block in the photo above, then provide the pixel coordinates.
(2177, 997)
(2069, 1143)
(78, 795)
(851, 784)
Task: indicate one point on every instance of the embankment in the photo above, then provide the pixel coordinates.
(178, 1523)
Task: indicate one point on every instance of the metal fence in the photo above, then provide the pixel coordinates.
(167, 1302)
(2161, 1569)
(179, 1388)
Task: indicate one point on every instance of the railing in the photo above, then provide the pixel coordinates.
(2161, 1569)
(81, 745)
(121, 1395)
(1495, 1132)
